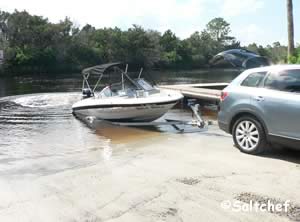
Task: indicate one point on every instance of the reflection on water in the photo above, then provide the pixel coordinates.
(194, 76)
(39, 135)
(73, 82)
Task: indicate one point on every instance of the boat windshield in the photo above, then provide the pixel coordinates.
(144, 85)
(127, 89)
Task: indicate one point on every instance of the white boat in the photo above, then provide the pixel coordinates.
(132, 100)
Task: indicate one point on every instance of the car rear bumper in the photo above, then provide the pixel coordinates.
(224, 126)
(223, 121)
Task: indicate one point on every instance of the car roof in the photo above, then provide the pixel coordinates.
(277, 68)
(274, 67)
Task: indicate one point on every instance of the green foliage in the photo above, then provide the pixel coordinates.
(219, 30)
(292, 59)
(277, 52)
(32, 44)
(169, 42)
(296, 58)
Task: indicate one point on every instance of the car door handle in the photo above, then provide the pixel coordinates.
(259, 98)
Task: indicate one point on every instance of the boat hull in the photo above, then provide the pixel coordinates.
(126, 113)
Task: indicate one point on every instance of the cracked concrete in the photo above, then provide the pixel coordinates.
(163, 177)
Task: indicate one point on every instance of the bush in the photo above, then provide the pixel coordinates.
(293, 59)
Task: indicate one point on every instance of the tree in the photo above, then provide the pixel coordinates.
(142, 46)
(169, 41)
(152, 49)
(277, 52)
(32, 44)
(169, 45)
(260, 50)
(290, 19)
(219, 29)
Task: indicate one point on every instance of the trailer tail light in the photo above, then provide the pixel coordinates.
(224, 95)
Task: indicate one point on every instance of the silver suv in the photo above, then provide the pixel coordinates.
(262, 106)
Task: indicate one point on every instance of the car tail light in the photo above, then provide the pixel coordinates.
(224, 95)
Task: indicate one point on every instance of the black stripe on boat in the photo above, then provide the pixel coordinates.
(123, 105)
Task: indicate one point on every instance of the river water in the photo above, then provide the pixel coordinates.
(39, 135)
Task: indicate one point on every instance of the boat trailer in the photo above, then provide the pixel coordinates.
(197, 123)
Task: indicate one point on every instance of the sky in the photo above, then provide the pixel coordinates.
(260, 21)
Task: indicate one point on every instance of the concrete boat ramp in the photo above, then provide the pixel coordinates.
(157, 178)
(201, 91)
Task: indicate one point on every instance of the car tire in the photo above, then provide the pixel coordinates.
(249, 135)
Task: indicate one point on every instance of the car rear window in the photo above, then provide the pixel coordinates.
(254, 79)
(286, 80)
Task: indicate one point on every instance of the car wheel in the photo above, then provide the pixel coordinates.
(249, 136)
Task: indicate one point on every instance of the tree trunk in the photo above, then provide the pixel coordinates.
(291, 46)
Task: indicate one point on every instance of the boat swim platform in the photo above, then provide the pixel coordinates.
(201, 91)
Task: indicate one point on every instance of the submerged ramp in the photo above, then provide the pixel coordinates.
(204, 91)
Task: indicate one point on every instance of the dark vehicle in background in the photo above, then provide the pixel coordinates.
(239, 58)
(261, 107)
